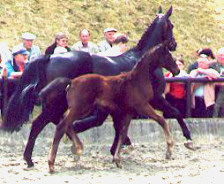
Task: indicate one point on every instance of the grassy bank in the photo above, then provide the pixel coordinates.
(197, 23)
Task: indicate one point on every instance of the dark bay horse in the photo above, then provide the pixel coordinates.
(121, 96)
(44, 69)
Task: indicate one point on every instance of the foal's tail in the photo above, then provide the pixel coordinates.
(54, 89)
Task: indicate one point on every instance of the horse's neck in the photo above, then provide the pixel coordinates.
(151, 38)
(128, 60)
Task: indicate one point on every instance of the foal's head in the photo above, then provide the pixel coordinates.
(167, 61)
(160, 56)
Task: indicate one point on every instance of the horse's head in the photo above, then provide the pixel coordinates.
(167, 28)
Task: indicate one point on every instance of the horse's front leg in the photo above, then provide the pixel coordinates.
(121, 123)
(37, 126)
(160, 103)
(147, 110)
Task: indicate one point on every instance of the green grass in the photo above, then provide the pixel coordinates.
(196, 23)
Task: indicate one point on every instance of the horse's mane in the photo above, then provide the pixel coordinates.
(142, 42)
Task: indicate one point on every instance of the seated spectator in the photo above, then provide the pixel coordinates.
(14, 68)
(119, 46)
(175, 91)
(85, 44)
(109, 39)
(61, 40)
(203, 99)
(203, 52)
(27, 43)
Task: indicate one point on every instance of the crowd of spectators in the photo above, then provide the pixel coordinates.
(14, 62)
(207, 98)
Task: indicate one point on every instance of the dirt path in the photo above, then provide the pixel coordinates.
(146, 164)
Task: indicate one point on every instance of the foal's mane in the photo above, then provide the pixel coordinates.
(147, 55)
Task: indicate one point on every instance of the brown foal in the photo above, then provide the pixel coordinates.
(121, 96)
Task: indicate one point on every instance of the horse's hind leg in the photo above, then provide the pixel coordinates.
(94, 120)
(37, 126)
(147, 110)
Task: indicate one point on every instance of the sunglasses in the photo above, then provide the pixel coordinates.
(64, 40)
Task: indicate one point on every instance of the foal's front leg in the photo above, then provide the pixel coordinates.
(59, 132)
(147, 110)
(121, 124)
(65, 126)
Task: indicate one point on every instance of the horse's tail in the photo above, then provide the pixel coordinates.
(54, 90)
(23, 99)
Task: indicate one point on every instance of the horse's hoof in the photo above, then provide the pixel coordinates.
(189, 145)
(30, 164)
(73, 150)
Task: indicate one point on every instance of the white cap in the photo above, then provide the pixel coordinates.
(109, 30)
(28, 36)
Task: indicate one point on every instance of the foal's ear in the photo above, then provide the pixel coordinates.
(159, 11)
(169, 12)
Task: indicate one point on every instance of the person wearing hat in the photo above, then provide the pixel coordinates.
(27, 43)
(119, 46)
(109, 38)
(14, 68)
(85, 44)
(202, 52)
(203, 100)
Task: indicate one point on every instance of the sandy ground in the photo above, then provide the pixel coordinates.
(146, 164)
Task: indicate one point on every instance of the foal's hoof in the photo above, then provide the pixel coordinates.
(189, 145)
(76, 151)
(118, 163)
(127, 149)
(168, 155)
(51, 170)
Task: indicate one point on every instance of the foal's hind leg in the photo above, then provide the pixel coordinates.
(61, 128)
(147, 110)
